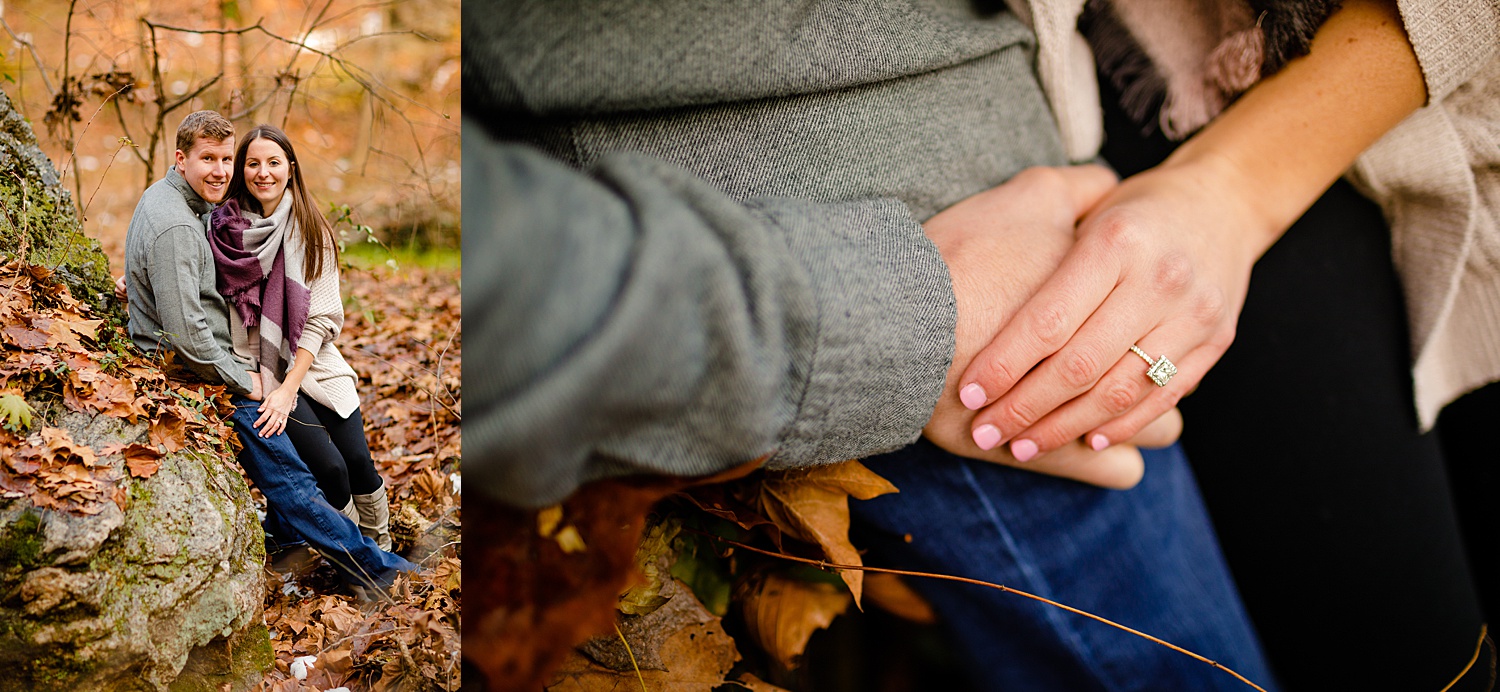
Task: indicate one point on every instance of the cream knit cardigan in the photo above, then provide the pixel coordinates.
(1436, 176)
(330, 381)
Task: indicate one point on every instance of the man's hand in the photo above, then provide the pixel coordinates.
(255, 391)
(120, 293)
(1000, 246)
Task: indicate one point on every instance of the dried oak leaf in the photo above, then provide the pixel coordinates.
(66, 333)
(892, 594)
(680, 646)
(141, 460)
(25, 337)
(782, 612)
(813, 505)
(537, 601)
(169, 432)
(61, 445)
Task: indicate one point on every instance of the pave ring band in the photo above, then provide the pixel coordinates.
(1161, 370)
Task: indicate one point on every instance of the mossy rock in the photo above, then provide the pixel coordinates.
(38, 217)
(171, 578)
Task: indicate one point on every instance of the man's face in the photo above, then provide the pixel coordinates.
(207, 167)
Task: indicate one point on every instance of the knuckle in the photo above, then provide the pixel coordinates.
(1173, 273)
(1119, 398)
(1118, 233)
(1078, 369)
(1017, 414)
(1049, 322)
(995, 375)
(1211, 307)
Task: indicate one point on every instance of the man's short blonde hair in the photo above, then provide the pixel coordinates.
(203, 124)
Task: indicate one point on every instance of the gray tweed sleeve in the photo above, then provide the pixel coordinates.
(633, 319)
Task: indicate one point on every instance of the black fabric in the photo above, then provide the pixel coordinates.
(1467, 429)
(334, 449)
(1335, 514)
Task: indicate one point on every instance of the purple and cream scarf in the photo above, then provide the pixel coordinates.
(260, 273)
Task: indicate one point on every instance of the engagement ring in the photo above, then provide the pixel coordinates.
(1161, 370)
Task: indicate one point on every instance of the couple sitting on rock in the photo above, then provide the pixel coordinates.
(247, 293)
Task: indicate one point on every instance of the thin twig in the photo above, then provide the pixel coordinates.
(30, 47)
(1483, 635)
(431, 395)
(633, 664)
(1005, 589)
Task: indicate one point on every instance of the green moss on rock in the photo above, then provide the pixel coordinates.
(21, 542)
(38, 214)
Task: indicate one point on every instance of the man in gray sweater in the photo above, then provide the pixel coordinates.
(174, 302)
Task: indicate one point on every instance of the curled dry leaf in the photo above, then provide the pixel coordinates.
(680, 646)
(813, 505)
(782, 612)
(892, 594)
(754, 684)
(653, 558)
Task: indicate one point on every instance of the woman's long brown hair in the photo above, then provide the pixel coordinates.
(317, 234)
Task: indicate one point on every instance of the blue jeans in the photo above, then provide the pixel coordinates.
(1146, 558)
(296, 507)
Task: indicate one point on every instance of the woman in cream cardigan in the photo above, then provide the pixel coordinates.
(278, 267)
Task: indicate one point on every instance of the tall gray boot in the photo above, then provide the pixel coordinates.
(351, 511)
(375, 517)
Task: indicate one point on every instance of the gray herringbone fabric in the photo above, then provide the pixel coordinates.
(735, 265)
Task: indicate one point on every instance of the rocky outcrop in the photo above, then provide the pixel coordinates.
(162, 588)
(37, 215)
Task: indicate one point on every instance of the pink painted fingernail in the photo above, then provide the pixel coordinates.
(1023, 450)
(1098, 442)
(972, 396)
(986, 436)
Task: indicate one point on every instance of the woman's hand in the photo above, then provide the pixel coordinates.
(1163, 262)
(275, 411)
(1000, 245)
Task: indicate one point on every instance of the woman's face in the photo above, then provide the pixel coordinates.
(267, 171)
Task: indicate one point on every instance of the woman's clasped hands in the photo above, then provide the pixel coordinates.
(1162, 263)
(276, 408)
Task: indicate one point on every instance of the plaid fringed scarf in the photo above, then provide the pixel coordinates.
(260, 274)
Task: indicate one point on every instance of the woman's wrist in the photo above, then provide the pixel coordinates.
(1223, 183)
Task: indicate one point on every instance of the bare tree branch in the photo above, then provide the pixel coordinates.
(192, 95)
(31, 48)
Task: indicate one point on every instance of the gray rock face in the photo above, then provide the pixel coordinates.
(121, 600)
(37, 213)
(161, 591)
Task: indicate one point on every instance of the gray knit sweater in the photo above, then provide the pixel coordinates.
(713, 252)
(169, 282)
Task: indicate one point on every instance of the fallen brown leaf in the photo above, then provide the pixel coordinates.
(782, 613)
(813, 505)
(891, 593)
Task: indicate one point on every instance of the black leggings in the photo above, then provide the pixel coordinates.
(1334, 512)
(334, 449)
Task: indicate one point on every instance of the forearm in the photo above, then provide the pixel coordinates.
(1288, 138)
(644, 322)
(300, 365)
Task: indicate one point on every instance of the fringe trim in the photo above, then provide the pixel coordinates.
(1143, 89)
(1283, 32)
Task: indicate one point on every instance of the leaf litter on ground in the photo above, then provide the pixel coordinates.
(403, 339)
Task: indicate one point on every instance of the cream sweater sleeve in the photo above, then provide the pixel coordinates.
(325, 313)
